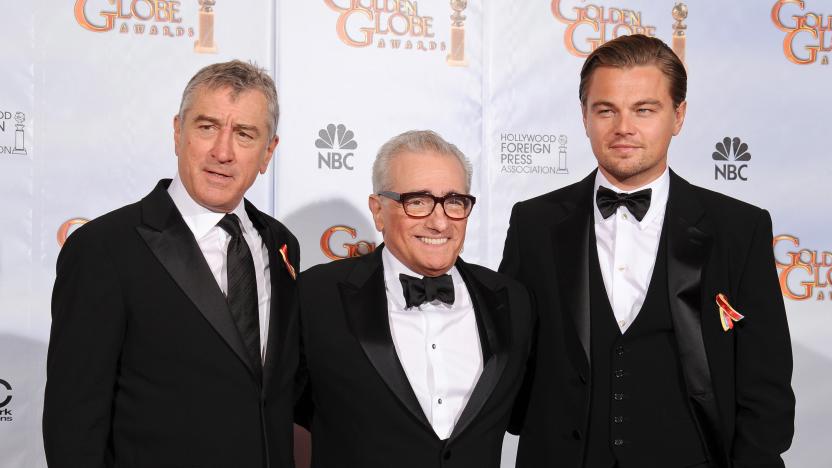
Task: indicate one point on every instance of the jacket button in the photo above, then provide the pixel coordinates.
(618, 442)
(576, 434)
(447, 455)
(582, 378)
(618, 396)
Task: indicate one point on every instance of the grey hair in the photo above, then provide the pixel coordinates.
(419, 142)
(240, 77)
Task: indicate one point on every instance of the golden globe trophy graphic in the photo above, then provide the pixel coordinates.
(680, 12)
(457, 56)
(205, 44)
(562, 156)
(19, 142)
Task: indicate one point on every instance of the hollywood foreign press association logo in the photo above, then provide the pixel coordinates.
(731, 158)
(5, 399)
(337, 144)
(533, 153)
(13, 134)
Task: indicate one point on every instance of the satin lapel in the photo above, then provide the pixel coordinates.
(689, 245)
(283, 298)
(494, 322)
(173, 244)
(571, 244)
(365, 304)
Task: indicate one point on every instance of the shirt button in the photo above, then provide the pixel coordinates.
(433, 346)
(624, 215)
(622, 267)
(618, 442)
(618, 396)
(439, 401)
(621, 323)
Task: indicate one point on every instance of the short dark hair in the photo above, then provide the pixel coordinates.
(632, 51)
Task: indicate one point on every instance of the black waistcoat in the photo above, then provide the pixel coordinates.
(640, 414)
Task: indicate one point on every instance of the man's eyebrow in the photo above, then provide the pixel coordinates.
(602, 104)
(206, 118)
(648, 102)
(247, 128)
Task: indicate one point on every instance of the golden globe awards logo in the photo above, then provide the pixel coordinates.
(348, 249)
(808, 34)
(804, 273)
(398, 25)
(589, 26)
(147, 18)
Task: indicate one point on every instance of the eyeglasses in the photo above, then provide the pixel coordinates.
(421, 204)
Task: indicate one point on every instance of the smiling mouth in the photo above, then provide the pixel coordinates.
(433, 241)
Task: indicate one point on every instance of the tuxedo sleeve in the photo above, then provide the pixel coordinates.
(510, 266)
(88, 323)
(764, 398)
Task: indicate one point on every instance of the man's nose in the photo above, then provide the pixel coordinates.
(223, 150)
(438, 220)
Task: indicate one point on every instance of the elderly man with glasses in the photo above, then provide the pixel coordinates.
(413, 357)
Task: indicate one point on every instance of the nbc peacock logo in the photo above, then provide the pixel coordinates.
(338, 144)
(731, 158)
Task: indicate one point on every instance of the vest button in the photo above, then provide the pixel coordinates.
(618, 396)
(619, 373)
(618, 442)
(618, 419)
(447, 455)
(576, 434)
(619, 350)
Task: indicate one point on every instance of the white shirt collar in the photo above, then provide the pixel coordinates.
(393, 267)
(198, 218)
(658, 198)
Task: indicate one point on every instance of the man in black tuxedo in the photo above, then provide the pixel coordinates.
(635, 363)
(414, 356)
(174, 319)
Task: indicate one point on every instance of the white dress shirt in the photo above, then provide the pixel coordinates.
(438, 346)
(213, 242)
(627, 248)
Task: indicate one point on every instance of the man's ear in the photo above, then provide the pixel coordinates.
(375, 208)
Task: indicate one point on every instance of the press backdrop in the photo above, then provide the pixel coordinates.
(88, 90)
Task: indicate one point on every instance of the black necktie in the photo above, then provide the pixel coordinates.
(242, 289)
(418, 291)
(637, 202)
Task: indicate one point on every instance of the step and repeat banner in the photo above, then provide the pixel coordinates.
(89, 88)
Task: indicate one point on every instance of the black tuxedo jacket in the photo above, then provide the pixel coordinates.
(146, 367)
(738, 382)
(360, 407)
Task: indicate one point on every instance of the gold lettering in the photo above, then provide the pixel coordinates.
(808, 286)
(788, 47)
(558, 15)
(341, 28)
(775, 14)
(785, 237)
(81, 18)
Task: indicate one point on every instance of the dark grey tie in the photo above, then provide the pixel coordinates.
(242, 289)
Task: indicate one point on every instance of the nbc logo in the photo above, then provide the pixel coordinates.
(336, 139)
(730, 156)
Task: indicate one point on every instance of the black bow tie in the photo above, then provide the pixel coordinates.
(418, 291)
(637, 202)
